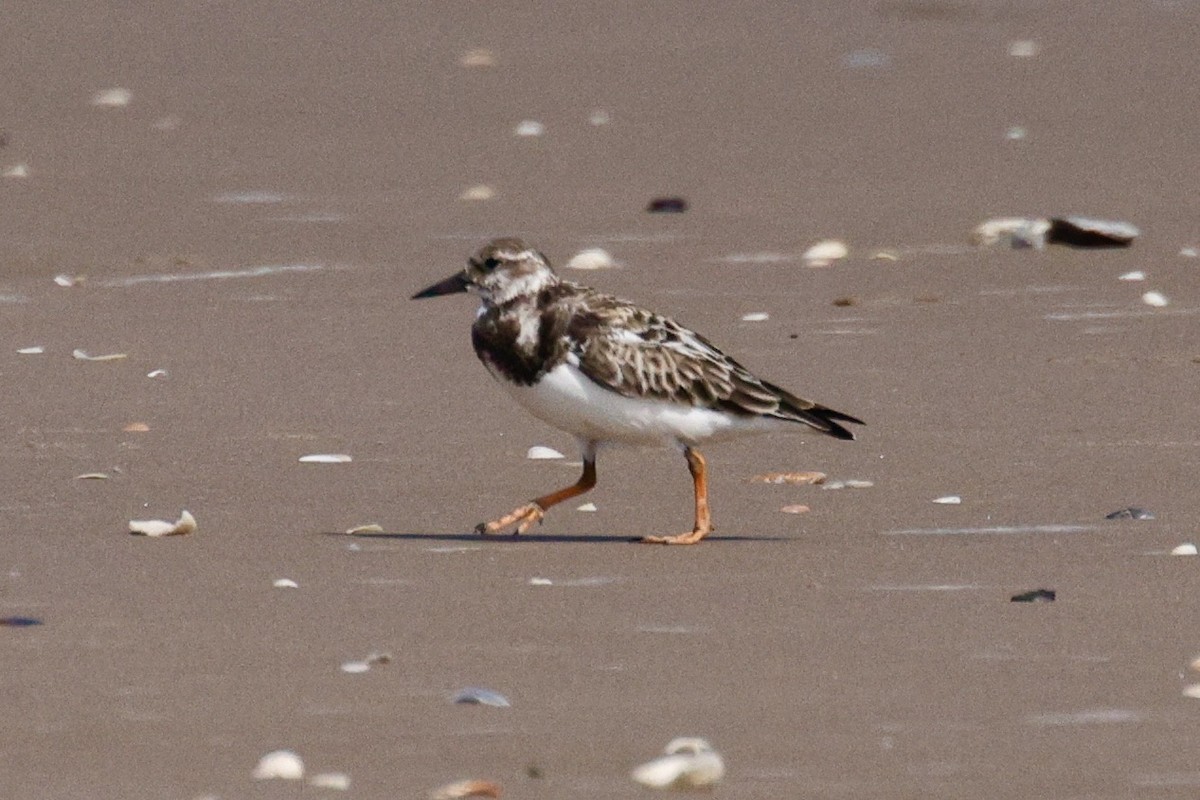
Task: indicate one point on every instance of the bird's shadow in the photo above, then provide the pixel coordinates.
(532, 538)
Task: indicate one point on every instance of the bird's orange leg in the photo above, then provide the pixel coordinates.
(530, 513)
(704, 526)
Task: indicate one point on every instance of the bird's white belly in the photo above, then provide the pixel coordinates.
(570, 401)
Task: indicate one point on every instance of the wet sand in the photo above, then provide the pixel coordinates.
(866, 649)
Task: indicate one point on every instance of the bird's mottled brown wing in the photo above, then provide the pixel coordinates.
(638, 353)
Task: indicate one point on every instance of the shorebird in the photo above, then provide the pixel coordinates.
(609, 372)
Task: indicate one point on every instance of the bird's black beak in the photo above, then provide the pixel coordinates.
(452, 285)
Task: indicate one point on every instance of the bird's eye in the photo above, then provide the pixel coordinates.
(490, 264)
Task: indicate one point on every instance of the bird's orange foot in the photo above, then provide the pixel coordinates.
(523, 517)
(691, 537)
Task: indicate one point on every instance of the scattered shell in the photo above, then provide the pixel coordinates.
(367, 663)
(480, 57)
(157, 527)
(849, 483)
(474, 695)
(689, 763)
(667, 205)
(591, 258)
(529, 127)
(884, 255)
(1016, 232)
(796, 509)
(1088, 232)
(462, 789)
(82, 355)
(67, 281)
(92, 476)
(1185, 549)
(756, 316)
(355, 667)
(1135, 275)
(285, 583)
(338, 781)
(1189, 252)
(369, 528)
(540, 453)
(1155, 299)
(1132, 512)
(824, 253)
(1023, 48)
(15, 171)
(1015, 133)
(478, 192)
(31, 351)
(798, 478)
(326, 458)
(1192, 691)
(599, 117)
(540, 582)
(112, 98)
(948, 500)
(587, 507)
(1195, 665)
(282, 764)
(136, 427)
(156, 373)
(1035, 596)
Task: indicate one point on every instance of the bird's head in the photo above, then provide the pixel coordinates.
(502, 270)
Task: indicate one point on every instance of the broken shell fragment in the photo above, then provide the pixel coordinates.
(1036, 233)
(541, 453)
(92, 476)
(756, 316)
(326, 458)
(281, 764)
(1155, 299)
(479, 192)
(480, 57)
(796, 478)
(371, 528)
(116, 97)
(1015, 232)
(338, 781)
(31, 351)
(82, 355)
(285, 583)
(15, 171)
(474, 695)
(1132, 512)
(1192, 691)
(158, 527)
(948, 500)
(136, 427)
(468, 788)
(689, 763)
(586, 507)
(529, 127)
(824, 253)
(1135, 275)
(799, 508)
(591, 258)
(1185, 549)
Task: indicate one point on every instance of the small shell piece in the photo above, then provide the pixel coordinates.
(82, 355)
(468, 788)
(591, 258)
(1016, 232)
(369, 528)
(281, 764)
(540, 453)
(36, 350)
(824, 253)
(474, 695)
(116, 97)
(689, 763)
(1155, 299)
(338, 781)
(159, 527)
(1192, 691)
(326, 458)
(948, 500)
(478, 57)
(799, 508)
(1185, 549)
(1135, 275)
(756, 316)
(477, 192)
(285, 583)
(529, 127)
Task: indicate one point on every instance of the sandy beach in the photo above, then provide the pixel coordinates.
(247, 224)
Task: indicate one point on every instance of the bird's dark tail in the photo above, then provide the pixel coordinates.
(813, 414)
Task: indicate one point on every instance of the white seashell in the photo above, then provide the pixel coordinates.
(464, 789)
(1185, 549)
(1189, 252)
(156, 373)
(112, 98)
(1156, 299)
(282, 764)
(158, 527)
(824, 253)
(82, 355)
(1016, 232)
(479, 192)
(31, 351)
(1015, 133)
(368, 528)
(475, 695)
(540, 582)
(756, 316)
(355, 667)
(65, 281)
(1136, 275)
(540, 453)
(326, 458)
(1023, 48)
(480, 57)
(529, 127)
(591, 258)
(948, 500)
(92, 476)
(15, 171)
(285, 583)
(587, 507)
(856, 483)
(1192, 691)
(884, 255)
(338, 781)
(600, 117)
(689, 763)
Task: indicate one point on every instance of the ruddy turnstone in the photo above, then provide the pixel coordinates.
(608, 371)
